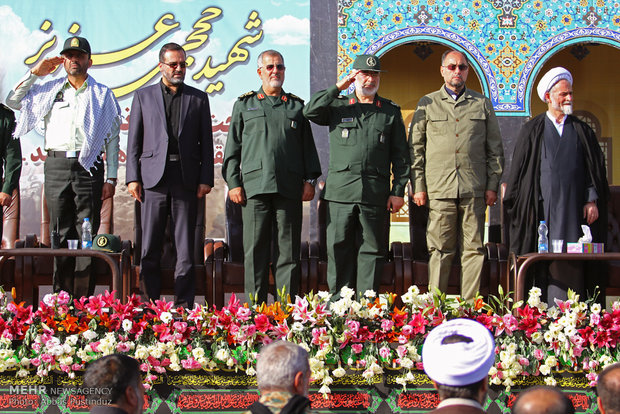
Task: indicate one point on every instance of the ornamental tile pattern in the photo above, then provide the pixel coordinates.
(507, 40)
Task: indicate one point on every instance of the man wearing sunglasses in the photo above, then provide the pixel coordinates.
(456, 164)
(271, 166)
(169, 167)
(81, 120)
(367, 144)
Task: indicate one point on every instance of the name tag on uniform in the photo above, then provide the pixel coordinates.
(382, 138)
(294, 124)
(347, 120)
(345, 133)
(252, 109)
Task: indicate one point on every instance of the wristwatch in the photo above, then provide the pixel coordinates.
(111, 181)
(311, 181)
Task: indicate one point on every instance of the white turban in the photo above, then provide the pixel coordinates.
(460, 363)
(551, 78)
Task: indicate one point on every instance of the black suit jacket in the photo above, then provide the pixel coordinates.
(147, 142)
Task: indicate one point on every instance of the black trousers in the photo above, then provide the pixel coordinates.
(72, 194)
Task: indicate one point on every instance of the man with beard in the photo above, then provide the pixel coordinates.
(169, 167)
(557, 175)
(270, 166)
(367, 142)
(457, 159)
(81, 120)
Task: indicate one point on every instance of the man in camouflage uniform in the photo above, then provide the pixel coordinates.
(283, 376)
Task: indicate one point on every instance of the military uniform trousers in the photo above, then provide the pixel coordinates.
(72, 194)
(169, 197)
(453, 221)
(356, 246)
(262, 215)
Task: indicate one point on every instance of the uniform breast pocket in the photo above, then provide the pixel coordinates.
(254, 121)
(381, 132)
(345, 133)
(437, 123)
(294, 121)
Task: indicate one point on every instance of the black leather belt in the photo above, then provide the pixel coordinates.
(63, 154)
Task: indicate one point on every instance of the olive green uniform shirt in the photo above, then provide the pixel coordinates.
(10, 151)
(269, 148)
(456, 146)
(367, 143)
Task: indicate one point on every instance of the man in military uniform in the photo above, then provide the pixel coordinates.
(367, 139)
(270, 166)
(10, 157)
(283, 376)
(457, 159)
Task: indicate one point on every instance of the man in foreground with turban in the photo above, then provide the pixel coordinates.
(557, 175)
(457, 356)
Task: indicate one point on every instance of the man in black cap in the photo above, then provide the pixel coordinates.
(82, 120)
(367, 144)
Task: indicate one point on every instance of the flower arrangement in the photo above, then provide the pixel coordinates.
(369, 334)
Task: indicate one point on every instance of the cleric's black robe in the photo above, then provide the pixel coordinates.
(523, 192)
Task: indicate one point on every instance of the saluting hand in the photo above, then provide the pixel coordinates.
(345, 82)
(47, 66)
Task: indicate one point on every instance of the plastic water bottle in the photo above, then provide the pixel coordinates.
(543, 241)
(87, 234)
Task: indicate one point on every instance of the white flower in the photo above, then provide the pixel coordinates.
(166, 317)
(222, 354)
(550, 381)
(127, 325)
(324, 296)
(89, 335)
(595, 308)
(545, 369)
(297, 327)
(339, 372)
(370, 293)
(324, 390)
(198, 352)
(49, 299)
(537, 337)
(551, 361)
(141, 352)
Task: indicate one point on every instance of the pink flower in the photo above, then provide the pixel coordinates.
(47, 358)
(384, 352)
(123, 347)
(63, 298)
(190, 363)
(35, 362)
(144, 367)
(407, 330)
(357, 348)
(401, 351)
(524, 361)
(539, 354)
(387, 325)
(262, 323)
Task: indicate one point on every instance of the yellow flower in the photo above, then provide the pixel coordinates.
(473, 25)
(448, 19)
(476, 4)
(397, 18)
(616, 20)
(524, 48)
(371, 24)
(540, 25)
(567, 19)
(490, 49)
(355, 47)
(538, 4)
(368, 3)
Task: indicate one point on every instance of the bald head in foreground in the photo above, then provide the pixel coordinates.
(608, 390)
(543, 400)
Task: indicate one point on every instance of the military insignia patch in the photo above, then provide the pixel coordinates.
(351, 101)
(59, 97)
(75, 42)
(371, 62)
(102, 242)
(260, 96)
(284, 98)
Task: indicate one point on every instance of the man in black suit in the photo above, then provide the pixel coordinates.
(169, 167)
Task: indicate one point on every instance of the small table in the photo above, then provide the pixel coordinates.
(115, 261)
(520, 265)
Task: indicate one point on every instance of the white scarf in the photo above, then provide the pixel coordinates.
(102, 115)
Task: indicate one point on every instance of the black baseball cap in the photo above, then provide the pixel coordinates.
(76, 43)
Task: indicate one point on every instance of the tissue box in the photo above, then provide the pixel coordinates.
(585, 247)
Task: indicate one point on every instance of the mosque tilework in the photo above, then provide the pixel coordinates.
(507, 40)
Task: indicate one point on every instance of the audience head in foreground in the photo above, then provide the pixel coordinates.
(608, 390)
(457, 356)
(116, 385)
(543, 400)
(283, 376)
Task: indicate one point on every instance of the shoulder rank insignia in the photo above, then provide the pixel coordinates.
(393, 103)
(292, 95)
(351, 101)
(247, 94)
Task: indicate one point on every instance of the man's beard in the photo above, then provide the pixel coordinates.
(366, 90)
(566, 109)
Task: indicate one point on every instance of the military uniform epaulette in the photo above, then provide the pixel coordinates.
(247, 94)
(292, 95)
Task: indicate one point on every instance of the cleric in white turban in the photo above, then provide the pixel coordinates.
(550, 79)
(457, 357)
